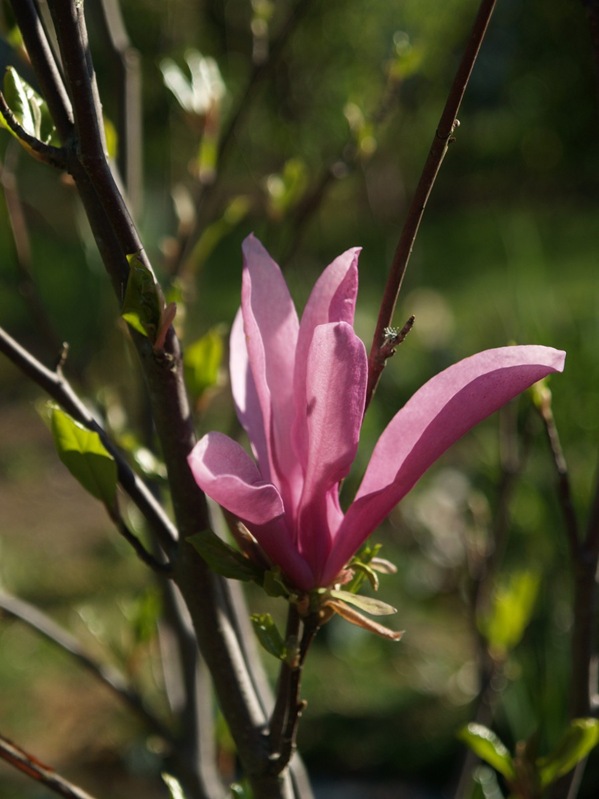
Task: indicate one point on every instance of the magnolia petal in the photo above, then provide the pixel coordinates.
(440, 413)
(275, 540)
(227, 474)
(335, 391)
(245, 396)
(271, 330)
(333, 299)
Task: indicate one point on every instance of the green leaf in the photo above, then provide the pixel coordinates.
(512, 607)
(489, 748)
(366, 603)
(82, 452)
(268, 635)
(581, 736)
(29, 109)
(143, 302)
(222, 558)
(202, 362)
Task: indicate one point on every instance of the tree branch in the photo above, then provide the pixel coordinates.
(45, 66)
(88, 150)
(442, 140)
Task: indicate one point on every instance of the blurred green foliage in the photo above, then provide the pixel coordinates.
(507, 252)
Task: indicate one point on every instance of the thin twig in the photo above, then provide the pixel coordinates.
(89, 150)
(563, 478)
(159, 566)
(30, 766)
(442, 140)
(33, 617)
(584, 557)
(45, 66)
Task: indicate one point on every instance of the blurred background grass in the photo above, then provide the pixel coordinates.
(507, 252)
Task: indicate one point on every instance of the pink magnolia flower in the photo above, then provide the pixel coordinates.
(299, 390)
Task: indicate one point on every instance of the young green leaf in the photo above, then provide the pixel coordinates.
(222, 558)
(581, 736)
(82, 452)
(366, 603)
(489, 748)
(143, 302)
(268, 635)
(29, 109)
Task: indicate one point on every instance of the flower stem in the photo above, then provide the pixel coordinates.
(288, 706)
